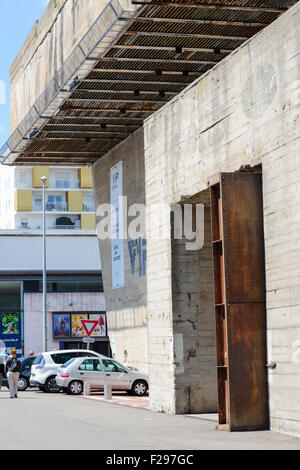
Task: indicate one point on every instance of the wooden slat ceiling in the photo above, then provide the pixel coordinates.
(167, 46)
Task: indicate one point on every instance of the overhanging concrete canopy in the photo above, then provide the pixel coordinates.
(127, 66)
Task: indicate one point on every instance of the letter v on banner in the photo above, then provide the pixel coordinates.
(89, 326)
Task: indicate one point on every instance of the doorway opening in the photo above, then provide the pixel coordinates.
(220, 292)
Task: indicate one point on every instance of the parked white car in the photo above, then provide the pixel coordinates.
(46, 365)
(99, 372)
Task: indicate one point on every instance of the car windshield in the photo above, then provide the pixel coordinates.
(27, 359)
(63, 357)
(68, 363)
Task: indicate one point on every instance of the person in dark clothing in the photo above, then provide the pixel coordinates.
(3, 357)
(13, 369)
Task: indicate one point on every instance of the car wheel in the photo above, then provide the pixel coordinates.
(75, 387)
(51, 385)
(23, 384)
(139, 388)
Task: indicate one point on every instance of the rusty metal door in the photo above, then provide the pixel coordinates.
(239, 283)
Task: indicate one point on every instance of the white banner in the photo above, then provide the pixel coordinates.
(117, 244)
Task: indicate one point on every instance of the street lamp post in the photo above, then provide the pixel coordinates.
(45, 332)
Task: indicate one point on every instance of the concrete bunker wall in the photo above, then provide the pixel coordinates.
(245, 111)
(126, 306)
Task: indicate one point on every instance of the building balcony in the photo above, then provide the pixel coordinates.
(65, 227)
(52, 227)
(67, 184)
(51, 207)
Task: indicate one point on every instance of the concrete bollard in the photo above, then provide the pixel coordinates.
(107, 392)
(86, 389)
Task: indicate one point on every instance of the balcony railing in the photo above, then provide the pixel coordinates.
(51, 207)
(67, 184)
(22, 185)
(66, 227)
(53, 227)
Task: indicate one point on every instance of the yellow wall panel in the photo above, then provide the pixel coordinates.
(88, 221)
(23, 200)
(85, 177)
(75, 201)
(37, 173)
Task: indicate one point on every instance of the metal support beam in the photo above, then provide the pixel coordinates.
(73, 154)
(97, 118)
(62, 139)
(134, 82)
(112, 110)
(141, 71)
(160, 61)
(80, 126)
(120, 92)
(100, 100)
(150, 19)
(169, 48)
(208, 6)
(121, 134)
(185, 35)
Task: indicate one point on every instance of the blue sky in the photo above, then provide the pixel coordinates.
(17, 17)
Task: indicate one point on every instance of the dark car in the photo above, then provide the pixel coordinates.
(23, 383)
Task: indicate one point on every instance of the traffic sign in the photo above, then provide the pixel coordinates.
(89, 326)
(88, 340)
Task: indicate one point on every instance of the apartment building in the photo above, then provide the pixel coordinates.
(74, 290)
(69, 198)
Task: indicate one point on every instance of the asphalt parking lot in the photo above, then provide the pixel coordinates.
(45, 421)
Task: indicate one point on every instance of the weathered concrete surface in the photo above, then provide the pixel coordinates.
(194, 326)
(46, 48)
(243, 112)
(126, 306)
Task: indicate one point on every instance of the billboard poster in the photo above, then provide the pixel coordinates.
(10, 331)
(77, 327)
(117, 242)
(68, 325)
(10, 324)
(61, 325)
(100, 329)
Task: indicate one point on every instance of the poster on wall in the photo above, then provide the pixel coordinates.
(100, 330)
(61, 325)
(10, 331)
(10, 324)
(77, 327)
(117, 243)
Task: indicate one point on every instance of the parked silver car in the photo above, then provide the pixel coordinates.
(46, 365)
(99, 372)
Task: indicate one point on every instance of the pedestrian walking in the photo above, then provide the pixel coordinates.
(31, 353)
(3, 354)
(3, 357)
(13, 369)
